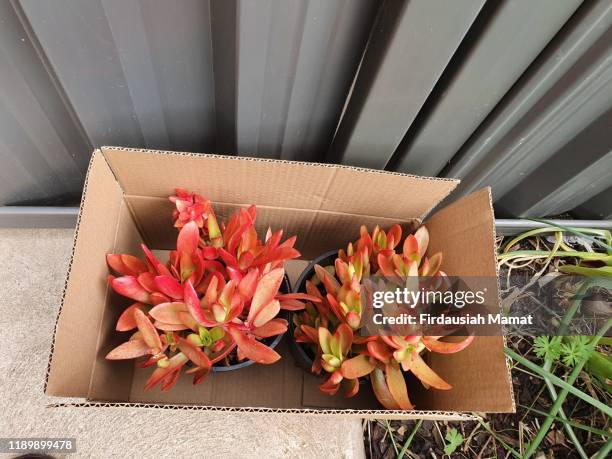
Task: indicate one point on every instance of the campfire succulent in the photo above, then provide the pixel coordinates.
(216, 297)
(330, 326)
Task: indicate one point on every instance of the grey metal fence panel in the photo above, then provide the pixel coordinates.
(136, 72)
(566, 89)
(498, 49)
(515, 94)
(409, 49)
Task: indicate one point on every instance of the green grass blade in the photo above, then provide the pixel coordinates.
(567, 387)
(578, 425)
(580, 232)
(559, 382)
(604, 452)
(408, 441)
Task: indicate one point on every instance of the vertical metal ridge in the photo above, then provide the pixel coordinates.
(500, 47)
(574, 174)
(572, 71)
(53, 77)
(224, 33)
(412, 44)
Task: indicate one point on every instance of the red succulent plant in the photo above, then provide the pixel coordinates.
(218, 293)
(329, 326)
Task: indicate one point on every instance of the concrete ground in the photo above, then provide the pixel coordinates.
(32, 269)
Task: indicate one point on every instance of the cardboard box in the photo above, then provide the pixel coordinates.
(125, 202)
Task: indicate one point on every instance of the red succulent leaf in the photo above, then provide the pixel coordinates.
(170, 380)
(351, 387)
(441, 347)
(397, 385)
(379, 351)
(154, 262)
(126, 319)
(125, 264)
(345, 338)
(188, 239)
(129, 350)
(335, 306)
(253, 349)
(391, 342)
(147, 281)
(329, 281)
(272, 328)
(190, 297)
(169, 286)
(245, 260)
(234, 274)
(435, 261)
(289, 242)
(194, 353)
(393, 236)
(169, 327)
(292, 305)
(422, 371)
(332, 383)
(266, 290)
(188, 320)
(175, 363)
(411, 245)
(229, 259)
(200, 375)
(248, 284)
(129, 287)
(357, 367)
(168, 312)
(276, 255)
(210, 253)
(149, 333)
(310, 332)
(298, 296)
(267, 313)
(220, 354)
(158, 298)
(385, 265)
(381, 390)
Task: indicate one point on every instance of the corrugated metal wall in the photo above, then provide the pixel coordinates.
(514, 94)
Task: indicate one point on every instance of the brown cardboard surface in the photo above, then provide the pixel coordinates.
(76, 336)
(323, 205)
(465, 233)
(111, 380)
(277, 183)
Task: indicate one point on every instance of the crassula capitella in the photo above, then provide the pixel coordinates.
(216, 301)
(330, 326)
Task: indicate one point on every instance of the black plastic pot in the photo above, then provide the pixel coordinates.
(301, 354)
(271, 342)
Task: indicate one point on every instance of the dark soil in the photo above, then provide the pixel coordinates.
(384, 439)
(513, 429)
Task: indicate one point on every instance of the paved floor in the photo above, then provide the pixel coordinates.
(32, 269)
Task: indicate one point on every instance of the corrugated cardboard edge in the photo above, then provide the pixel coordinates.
(495, 251)
(70, 262)
(303, 163)
(367, 414)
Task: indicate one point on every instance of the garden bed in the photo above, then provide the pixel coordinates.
(582, 429)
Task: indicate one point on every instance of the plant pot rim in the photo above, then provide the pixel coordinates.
(298, 286)
(286, 286)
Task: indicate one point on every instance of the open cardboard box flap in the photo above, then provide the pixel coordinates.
(125, 203)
